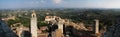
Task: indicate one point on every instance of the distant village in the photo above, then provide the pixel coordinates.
(57, 27)
(32, 25)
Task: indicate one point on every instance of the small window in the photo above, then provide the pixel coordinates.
(33, 15)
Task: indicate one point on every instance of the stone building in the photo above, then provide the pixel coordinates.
(5, 31)
(114, 30)
(33, 26)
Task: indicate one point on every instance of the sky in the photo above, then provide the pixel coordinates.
(16, 4)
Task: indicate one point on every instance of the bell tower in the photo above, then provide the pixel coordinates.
(33, 26)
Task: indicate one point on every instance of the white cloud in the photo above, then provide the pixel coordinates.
(34, 2)
(115, 4)
(57, 1)
(38, 2)
(42, 1)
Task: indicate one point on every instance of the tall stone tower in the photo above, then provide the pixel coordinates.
(97, 26)
(33, 26)
(59, 32)
(60, 24)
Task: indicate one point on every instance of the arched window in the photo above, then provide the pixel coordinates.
(33, 15)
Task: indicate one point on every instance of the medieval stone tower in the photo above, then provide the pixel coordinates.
(33, 26)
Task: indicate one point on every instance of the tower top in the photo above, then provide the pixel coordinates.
(33, 13)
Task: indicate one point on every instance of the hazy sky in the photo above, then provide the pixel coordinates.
(7, 4)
